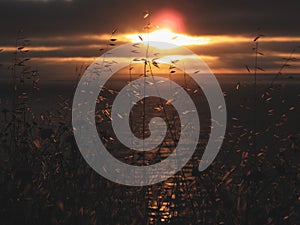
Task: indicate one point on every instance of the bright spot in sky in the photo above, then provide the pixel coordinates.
(166, 35)
(169, 25)
(169, 18)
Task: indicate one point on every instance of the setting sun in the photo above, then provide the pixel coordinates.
(166, 35)
(169, 18)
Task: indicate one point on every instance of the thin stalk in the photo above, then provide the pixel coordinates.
(145, 75)
(130, 118)
(282, 67)
(14, 96)
(255, 90)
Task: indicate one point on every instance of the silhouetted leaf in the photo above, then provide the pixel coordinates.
(155, 64)
(259, 68)
(248, 69)
(146, 15)
(114, 31)
(237, 87)
(256, 38)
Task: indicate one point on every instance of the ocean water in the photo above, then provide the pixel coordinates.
(251, 181)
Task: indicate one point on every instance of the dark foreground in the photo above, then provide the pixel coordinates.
(253, 180)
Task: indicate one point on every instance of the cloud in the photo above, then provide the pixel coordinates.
(223, 54)
(73, 30)
(201, 17)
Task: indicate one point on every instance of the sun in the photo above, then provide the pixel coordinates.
(167, 25)
(169, 18)
(166, 35)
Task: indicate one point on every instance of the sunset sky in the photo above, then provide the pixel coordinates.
(66, 33)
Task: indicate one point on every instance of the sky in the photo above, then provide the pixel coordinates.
(68, 33)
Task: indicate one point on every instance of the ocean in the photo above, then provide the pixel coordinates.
(45, 180)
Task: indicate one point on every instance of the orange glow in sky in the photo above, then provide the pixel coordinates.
(169, 18)
(166, 35)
